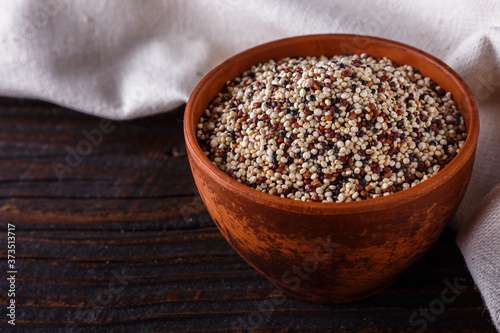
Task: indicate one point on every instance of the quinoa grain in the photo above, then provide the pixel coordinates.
(339, 129)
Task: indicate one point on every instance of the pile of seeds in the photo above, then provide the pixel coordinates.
(334, 129)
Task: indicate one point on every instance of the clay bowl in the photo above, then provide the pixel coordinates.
(332, 252)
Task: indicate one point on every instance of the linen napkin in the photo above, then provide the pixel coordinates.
(121, 59)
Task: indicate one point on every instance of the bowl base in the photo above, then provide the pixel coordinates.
(337, 298)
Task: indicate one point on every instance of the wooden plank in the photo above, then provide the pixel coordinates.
(123, 243)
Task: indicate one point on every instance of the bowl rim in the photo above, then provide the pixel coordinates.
(467, 151)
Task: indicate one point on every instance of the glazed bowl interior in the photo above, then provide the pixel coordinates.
(329, 45)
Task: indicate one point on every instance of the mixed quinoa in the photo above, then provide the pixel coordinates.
(331, 129)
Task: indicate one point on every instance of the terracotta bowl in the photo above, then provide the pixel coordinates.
(332, 252)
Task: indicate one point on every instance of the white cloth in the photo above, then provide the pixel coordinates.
(475, 240)
(123, 59)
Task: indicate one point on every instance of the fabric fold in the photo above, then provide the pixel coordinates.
(479, 242)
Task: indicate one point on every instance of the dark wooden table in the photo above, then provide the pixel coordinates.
(115, 239)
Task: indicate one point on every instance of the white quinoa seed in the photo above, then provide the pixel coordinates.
(339, 129)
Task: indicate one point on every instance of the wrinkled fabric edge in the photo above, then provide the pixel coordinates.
(479, 242)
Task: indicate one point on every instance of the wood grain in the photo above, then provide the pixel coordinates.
(122, 244)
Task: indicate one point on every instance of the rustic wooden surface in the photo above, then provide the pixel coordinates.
(122, 243)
